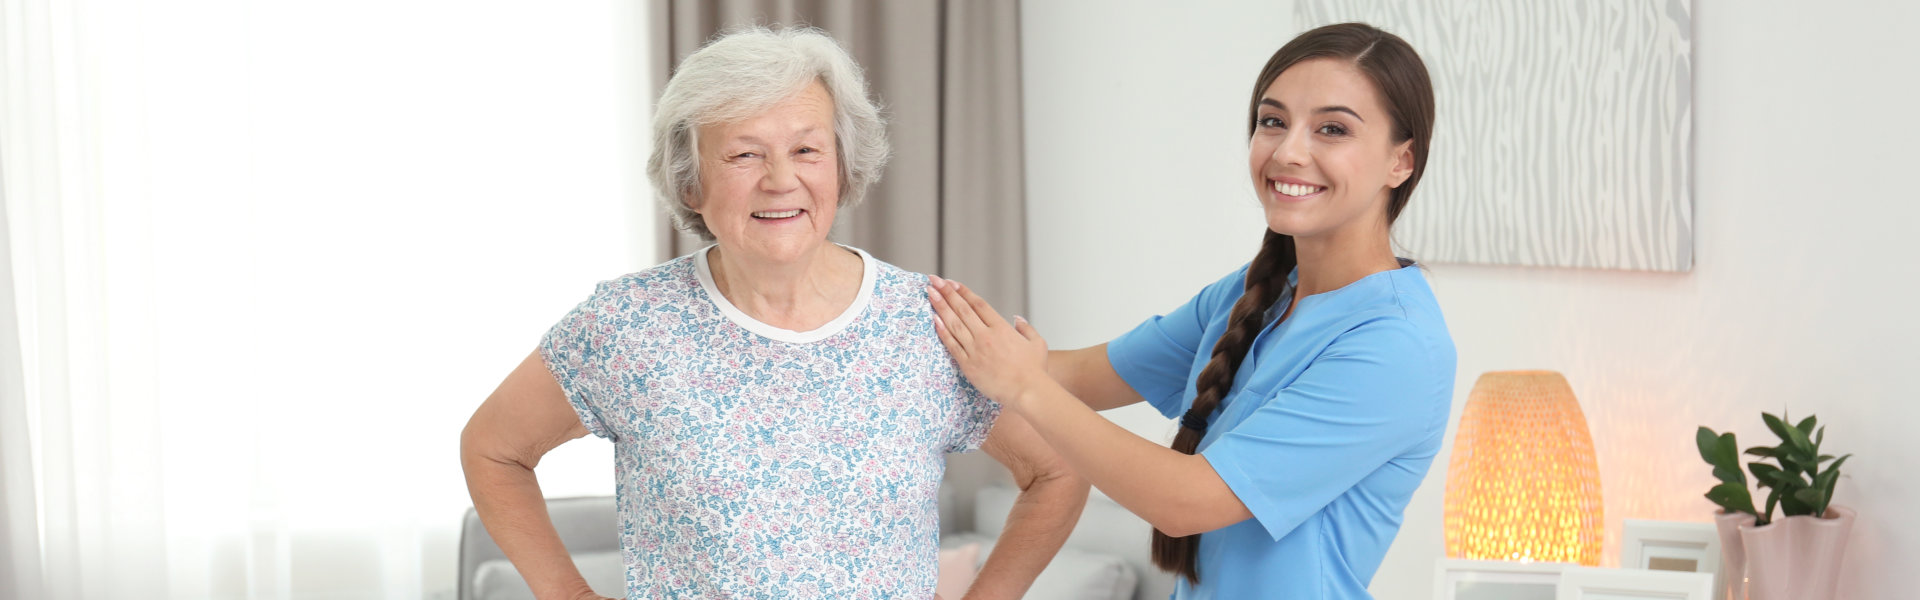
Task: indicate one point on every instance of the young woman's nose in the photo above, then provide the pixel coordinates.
(1292, 148)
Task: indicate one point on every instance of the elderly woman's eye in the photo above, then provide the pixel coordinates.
(745, 155)
(806, 150)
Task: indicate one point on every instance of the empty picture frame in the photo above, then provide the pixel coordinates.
(1671, 546)
(1460, 579)
(1591, 583)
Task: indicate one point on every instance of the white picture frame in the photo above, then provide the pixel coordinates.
(1462, 579)
(1671, 546)
(1591, 583)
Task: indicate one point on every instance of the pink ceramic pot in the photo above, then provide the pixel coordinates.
(1794, 558)
(1733, 555)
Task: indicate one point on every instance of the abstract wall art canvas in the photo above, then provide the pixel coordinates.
(1563, 133)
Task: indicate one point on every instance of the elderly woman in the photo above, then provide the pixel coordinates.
(780, 406)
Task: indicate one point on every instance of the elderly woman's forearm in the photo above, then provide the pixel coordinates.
(507, 496)
(1041, 519)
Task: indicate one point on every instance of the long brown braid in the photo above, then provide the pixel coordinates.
(1407, 93)
(1266, 279)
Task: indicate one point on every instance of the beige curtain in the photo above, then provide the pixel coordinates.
(952, 201)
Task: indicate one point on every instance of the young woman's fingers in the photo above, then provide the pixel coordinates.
(985, 311)
(947, 319)
(964, 309)
(946, 338)
(1026, 329)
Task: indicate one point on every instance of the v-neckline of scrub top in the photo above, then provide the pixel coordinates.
(1277, 326)
(1279, 307)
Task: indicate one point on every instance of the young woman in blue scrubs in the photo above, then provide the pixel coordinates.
(1312, 386)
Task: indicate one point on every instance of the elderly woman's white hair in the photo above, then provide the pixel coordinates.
(742, 74)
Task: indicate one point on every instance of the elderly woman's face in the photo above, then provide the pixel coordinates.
(771, 182)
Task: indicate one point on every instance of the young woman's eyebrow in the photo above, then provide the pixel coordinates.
(1324, 109)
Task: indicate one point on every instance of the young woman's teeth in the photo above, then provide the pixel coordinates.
(1296, 190)
(777, 215)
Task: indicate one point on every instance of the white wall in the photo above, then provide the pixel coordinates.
(1799, 299)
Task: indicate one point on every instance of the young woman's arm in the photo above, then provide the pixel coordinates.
(1088, 375)
(1179, 494)
(525, 417)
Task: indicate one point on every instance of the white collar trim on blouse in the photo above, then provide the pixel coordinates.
(867, 275)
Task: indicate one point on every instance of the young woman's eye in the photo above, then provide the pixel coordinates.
(1272, 123)
(1333, 129)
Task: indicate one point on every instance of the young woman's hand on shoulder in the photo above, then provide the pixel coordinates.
(1003, 359)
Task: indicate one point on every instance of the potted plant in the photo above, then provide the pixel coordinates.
(1796, 556)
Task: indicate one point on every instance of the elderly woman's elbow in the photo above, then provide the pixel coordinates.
(473, 442)
(1069, 482)
(481, 443)
(1062, 488)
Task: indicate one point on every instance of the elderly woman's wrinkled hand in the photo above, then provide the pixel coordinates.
(1002, 359)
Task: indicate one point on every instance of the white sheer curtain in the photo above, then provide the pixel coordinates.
(265, 257)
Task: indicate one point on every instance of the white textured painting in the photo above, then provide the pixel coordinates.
(1563, 133)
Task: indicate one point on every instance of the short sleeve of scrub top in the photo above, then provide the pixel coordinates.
(1155, 357)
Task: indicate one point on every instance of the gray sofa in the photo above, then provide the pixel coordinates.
(588, 526)
(1105, 558)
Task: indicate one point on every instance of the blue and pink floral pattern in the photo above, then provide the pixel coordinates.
(752, 467)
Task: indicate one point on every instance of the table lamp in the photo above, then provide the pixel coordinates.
(1523, 484)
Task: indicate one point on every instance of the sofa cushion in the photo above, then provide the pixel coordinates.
(1105, 529)
(498, 580)
(957, 568)
(1077, 575)
(1073, 575)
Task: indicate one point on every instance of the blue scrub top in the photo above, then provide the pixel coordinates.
(1333, 418)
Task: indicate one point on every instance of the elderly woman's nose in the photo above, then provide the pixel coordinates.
(782, 175)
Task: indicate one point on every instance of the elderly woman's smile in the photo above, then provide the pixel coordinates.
(770, 182)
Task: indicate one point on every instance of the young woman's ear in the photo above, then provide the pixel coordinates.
(1402, 164)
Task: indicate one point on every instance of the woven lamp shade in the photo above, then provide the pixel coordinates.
(1523, 484)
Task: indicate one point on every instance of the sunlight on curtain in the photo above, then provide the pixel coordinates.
(268, 256)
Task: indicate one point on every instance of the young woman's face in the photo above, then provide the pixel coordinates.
(770, 183)
(1322, 156)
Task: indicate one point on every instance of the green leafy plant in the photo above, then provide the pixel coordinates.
(1795, 481)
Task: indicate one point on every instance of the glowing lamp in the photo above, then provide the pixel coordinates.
(1523, 484)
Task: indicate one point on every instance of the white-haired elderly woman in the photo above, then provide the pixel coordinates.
(780, 406)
